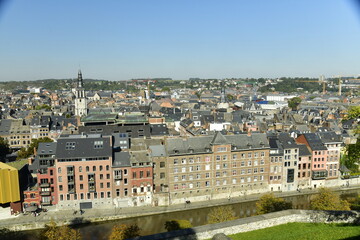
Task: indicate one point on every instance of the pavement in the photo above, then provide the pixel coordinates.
(121, 213)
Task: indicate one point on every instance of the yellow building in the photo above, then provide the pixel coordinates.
(9, 184)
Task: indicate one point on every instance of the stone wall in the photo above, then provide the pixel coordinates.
(258, 222)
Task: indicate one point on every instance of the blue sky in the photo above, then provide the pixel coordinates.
(124, 39)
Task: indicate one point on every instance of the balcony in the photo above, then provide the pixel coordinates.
(72, 190)
(92, 189)
(45, 185)
(70, 173)
(45, 193)
(118, 177)
(91, 180)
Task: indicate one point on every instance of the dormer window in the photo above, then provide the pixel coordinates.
(207, 149)
(191, 150)
(176, 151)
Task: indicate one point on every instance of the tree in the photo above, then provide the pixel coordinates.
(230, 97)
(354, 113)
(123, 231)
(4, 148)
(294, 102)
(53, 232)
(351, 158)
(26, 152)
(220, 214)
(174, 225)
(269, 203)
(198, 94)
(165, 89)
(327, 200)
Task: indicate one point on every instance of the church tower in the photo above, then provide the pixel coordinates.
(80, 98)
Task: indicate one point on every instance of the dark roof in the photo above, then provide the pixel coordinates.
(314, 141)
(303, 150)
(84, 146)
(287, 141)
(219, 139)
(121, 159)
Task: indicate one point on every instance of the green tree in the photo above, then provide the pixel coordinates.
(220, 214)
(327, 200)
(198, 94)
(123, 231)
(4, 148)
(351, 158)
(294, 102)
(26, 152)
(269, 203)
(354, 113)
(165, 89)
(174, 225)
(54, 232)
(230, 97)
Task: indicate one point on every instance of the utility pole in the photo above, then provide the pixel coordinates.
(339, 86)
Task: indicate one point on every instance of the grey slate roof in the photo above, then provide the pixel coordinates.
(84, 146)
(303, 150)
(314, 141)
(121, 159)
(157, 151)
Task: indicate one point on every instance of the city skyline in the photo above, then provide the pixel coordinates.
(178, 39)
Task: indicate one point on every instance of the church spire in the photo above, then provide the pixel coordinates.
(80, 80)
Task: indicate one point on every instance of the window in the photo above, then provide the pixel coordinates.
(207, 184)
(94, 168)
(176, 178)
(81, 177)
(80, 169)
(183, 177)
(87, 168)
(60, 187)
(101, 185)
(107, 167)
(249, 163)
(70, 146)
(98, 144)
(60, 178)
(234, 172)
(59, 170)
(224, 157)
(176, 186)
(176, 161)
(162, 164)
(183, 169)
(134, 174)
(262, 154)
(141, 174)
(249, 155)
(162, 175)
(221, 149)
(207, 175)
(234, 156)
(183, 161)
(218, 158)
(81, 186)
(176, 170)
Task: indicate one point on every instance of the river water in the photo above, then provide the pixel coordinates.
(155, 223)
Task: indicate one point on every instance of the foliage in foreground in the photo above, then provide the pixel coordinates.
(174, 225)
(328, 200)
(54, 232)
(123, 231)
(269, 203)
(220, 214)
(303, 231)
(6, 234)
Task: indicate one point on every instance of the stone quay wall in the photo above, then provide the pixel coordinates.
(258, 222)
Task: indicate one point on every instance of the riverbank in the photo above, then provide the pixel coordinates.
(61, 217)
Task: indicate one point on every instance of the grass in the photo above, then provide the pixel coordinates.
(302, 231)
(18, 164)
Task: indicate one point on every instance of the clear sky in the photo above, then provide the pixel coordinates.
(124, 39)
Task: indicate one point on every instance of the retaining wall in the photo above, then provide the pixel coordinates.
(258, 222)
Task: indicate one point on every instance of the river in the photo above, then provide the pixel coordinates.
(155, 223)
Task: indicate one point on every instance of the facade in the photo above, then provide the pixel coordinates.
(83, 167)
(333, 143)
(80, 97)
(304, 167)
(207, 167)
(44, 191)
(319, 155)
(16, 132)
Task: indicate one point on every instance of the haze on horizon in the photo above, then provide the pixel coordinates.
(120, 40)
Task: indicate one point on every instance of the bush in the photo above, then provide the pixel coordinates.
(123, 231)
(220, 214)
(327, 200)
(174, 225)
(269, 203)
